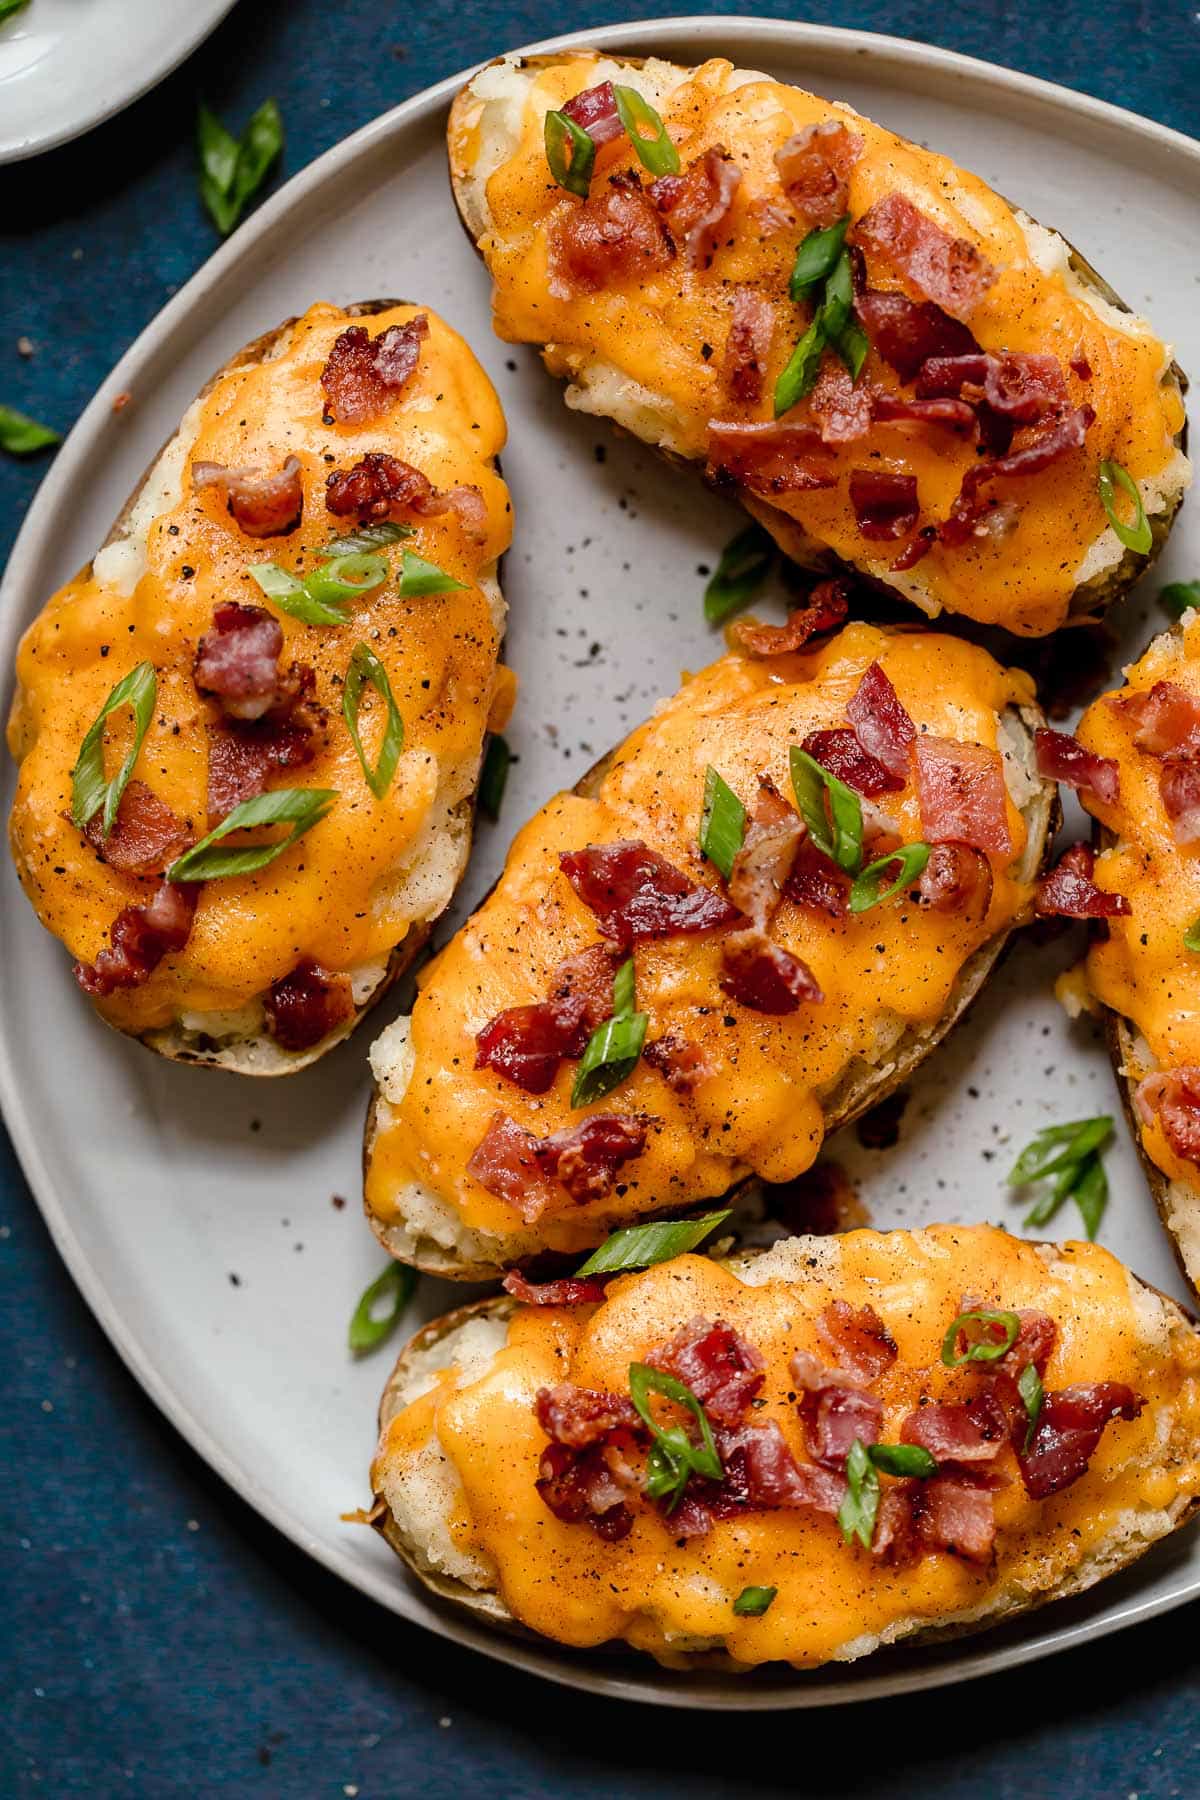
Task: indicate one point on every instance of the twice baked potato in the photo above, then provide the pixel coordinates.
(916, 1434)
(684, 978)
(895, 369)
(302, 590)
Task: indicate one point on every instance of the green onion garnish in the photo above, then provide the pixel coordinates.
(722, 822)
(10, 7)
(1179, 596)
(856, 1515)
(366, 538)
(391, 1291)
(1191, 937)
(745, 564)
(673, 1456)
(1090, 1194)
(89, 790)
(839, 298)
(641, 1246)
(345, 577)
(210, 860)
(290, 594)
(799, 373)
(232, 170)
(647, 133)
(903, 1459)
(1067, 1157)
(614, 1047)
(365, 666)
(815, 257)
(21, 435)
(982, 1344)
(868, 889)
(831, 323)
(753, 1602)
(838, 834)
(1029, 1386)
(494, 775)
(420, 577)
(852, 345)
(573, 172)
(1137, 536)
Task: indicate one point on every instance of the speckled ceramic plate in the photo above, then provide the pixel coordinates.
(196, 1211)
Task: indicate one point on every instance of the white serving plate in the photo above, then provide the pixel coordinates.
(65, 65)
(159, 1182)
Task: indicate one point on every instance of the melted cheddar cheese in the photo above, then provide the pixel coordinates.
(667, 1595)
(350, 891)
(760, 1110)
(1140, 967)
(648, 352)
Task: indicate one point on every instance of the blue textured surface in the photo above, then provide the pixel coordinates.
(162, 1640)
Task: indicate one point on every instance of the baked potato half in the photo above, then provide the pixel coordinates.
(926, 397)
(297, 616)
(530, 1105)
(512, 1476)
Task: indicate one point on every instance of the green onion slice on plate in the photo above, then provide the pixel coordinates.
(641, 1246)
(1057, 1147)
(674, 1458)
(494, 776)
(213, 860)
(1137, 536)
(722, 822)
(745, 563)
(570, 153)
(1179, 596)
(21, 436)
(838, 833)
(985, 1337)
(647, 133)
(378, 1312)
(856, 1515)
(366, 667)
(906, 864)
(89, 790)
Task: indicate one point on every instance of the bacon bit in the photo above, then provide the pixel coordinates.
(947, 270)
(764, 861)
(1046, 444)
(238, 659)
(261, 505)
(696, 204)
(614, 236)
(962, 794)
(1019, 387)
(761, 1475)
(885, 505)
(895, 1537)
(1068, 1430)
(774, 456)
(146, 835)
(305, 1005)
(842, 754)
(1034, 1342)
(364, 374)
(1179, 785)
(380, 486)
(577, 1416)
(566, 1292)
(956, 415)
(764, 976)
(817, 881)
(835, 1409)
(580, 1486)
(1061, 757)
(843, 407)
(814, 167)
(595, 111)
(506, 1163)
(139, 938)
(683, 1066)
(952, 1432)
(526, 1044)
(723, 1371)
(1068, 891)
(953, 1511)
(906, 334)
(859, 1339)
(636, 894)
(882, 724)
(1080, 365)
(523, 1169)
(956, 879)
(1173, 1097)
(825, 609)
(242, 758)
(1166, 718)
(121, 400)
(917, 548)
(747, 347)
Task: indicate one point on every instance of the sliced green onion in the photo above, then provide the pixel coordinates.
(856, 1515)
(753, 1602)
(1057, 1146)
(903, 1459)
(745, 564)
(838, 834)
(1137, 536)
(1060, 1185)
(839, 298)
(647, 133)
(815, 257)
(89, 790)
(420, 577)
(391, 1292)
(8, 8)
(210, 860)
(1191, 937)
(852, 344)
(982, 1345)
(722, 822)
(494, 776)
(345, 577)
(799, 373)
(868, 889)
(573, 172)
(365, 666)
(641, 1246)
(21, 435)
(614, 1047)
(365, 539)
(1029, 1386)
(673, 1457)
(1179, 596)
(291, 595)
(1090, 1195)
(233, 170)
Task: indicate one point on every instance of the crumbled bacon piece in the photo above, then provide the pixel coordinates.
(506, 1163)
(697, 203)
(379, 487)
(595, 111)
(954, 1511)
(814, 167)
(956, 879)
(1080, 365)
(817, 881)
(859, 1339)
(242, 757)
(1068, 891)
(526, 1170)
(1058, 434)
(825, 609)
(579, 1416)
(146, 834)
(835, 1409)
(613, 236)
(882, 724)
(1019, 387)
(1179, 785)
(1068, 1429)
(747, 347)
(721, 1368)
(775, 456)
(1061, 757)
(885, 505)
(1173, 1097)
(306, 1004)
(1034, 1342)
(842, 407)
(762, 864)
(972, 1432)
(955, 415)
(841, 752)
(580, 1486)
(139, 938)
(1166, 718)
(760, 1475)
(260, 504)
(683, 1066)
(637, 894)
(364, 374)
(238, 660)
(906, 334)
(963, 796)
(565, 1292)
(950, 271)
(525, 1044)
(918, 546)
(764, 976)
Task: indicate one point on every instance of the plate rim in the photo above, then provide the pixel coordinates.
(253, 240)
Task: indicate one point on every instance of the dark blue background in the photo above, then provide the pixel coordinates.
(162, 1640)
